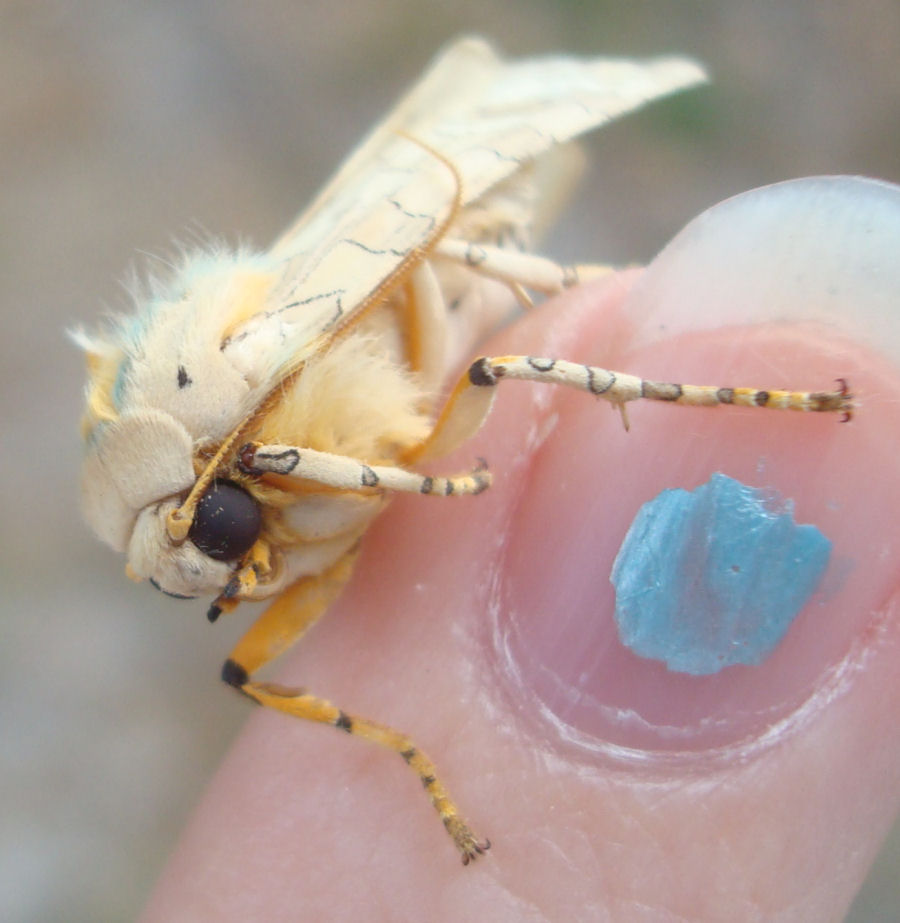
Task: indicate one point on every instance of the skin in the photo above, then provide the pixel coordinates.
(303, 822)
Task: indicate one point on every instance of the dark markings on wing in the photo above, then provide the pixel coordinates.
(334, 293)
(400, 254)
(417, 216)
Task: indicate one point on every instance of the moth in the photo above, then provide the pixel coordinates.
(248, 422)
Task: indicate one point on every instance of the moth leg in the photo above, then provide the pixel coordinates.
(344, 473)
(517, 268)
(470, 401)
(283, 623)
(258, 563)
(426, 325)
(289, 616)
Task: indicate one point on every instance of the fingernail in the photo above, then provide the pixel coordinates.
(788, 286)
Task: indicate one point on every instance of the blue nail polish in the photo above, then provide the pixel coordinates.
(714, 577)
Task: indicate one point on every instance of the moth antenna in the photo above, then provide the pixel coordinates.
(179, 521)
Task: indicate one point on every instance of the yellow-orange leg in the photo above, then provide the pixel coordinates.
(301, 704)
(257, 563)
(283, 623)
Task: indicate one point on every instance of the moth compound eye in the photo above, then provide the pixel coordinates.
(226, 522)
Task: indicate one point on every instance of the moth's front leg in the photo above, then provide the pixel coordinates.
(280, 626)
(349, 474)
(258, 563)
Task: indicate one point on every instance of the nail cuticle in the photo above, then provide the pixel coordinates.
(538, 719)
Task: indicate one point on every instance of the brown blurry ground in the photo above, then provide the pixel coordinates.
(125, 127)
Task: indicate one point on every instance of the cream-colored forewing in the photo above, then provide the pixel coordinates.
(392, 197)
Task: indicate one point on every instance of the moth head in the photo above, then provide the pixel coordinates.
(137, 474)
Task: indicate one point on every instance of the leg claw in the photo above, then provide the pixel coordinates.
(466, 841)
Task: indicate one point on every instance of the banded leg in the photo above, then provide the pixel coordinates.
(517, 268)
(619, 388)
(470, 401)
(301, 704)
(344, 473)
(284, 623)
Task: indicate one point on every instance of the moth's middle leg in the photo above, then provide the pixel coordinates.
(470, 401)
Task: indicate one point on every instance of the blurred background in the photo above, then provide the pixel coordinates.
(126, 126)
